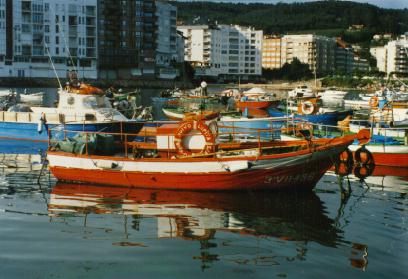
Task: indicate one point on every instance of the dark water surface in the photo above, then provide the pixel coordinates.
(57, 230)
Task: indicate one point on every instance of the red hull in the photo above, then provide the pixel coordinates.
(393, 160)
(390, 159)
(254, 104)
(297, 177)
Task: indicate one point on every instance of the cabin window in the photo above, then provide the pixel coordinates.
(90, 117)
(94, 102)
(71, 101)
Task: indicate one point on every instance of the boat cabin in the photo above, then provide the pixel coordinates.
(79, 107)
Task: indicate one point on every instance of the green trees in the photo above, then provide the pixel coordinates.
(289, 71)
(333, 17)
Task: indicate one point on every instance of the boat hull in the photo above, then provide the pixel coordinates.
(29, 131)
(329, 118)
(254, 104)
(297, 171)
(392, 155)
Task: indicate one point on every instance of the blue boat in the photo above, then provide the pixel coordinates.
(309, 109)
(328, 118)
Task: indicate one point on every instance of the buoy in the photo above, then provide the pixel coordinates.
(363, 156)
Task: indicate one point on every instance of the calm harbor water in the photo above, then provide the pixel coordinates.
(58, 230)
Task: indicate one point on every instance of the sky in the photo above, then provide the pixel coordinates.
(392, 4)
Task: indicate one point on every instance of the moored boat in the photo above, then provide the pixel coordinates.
(309, 109)
(300, 92)
(188, 156)
(80, 108)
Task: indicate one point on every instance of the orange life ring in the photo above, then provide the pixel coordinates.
(308, 108)
(185, 128)
(374, 102)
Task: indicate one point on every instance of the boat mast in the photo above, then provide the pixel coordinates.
(52, 64)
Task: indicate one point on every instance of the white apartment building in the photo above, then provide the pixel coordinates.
(223, 51)
(317, 51)
(65, 30)
(393, 57)
(380, 54)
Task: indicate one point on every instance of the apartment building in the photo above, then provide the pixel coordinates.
(380, 54)
(34, 31)
(2, 30)
(393, 57)
(317, 51)
(127, 38)
(166, 33)
(223, 51)
(166, 50)
(271, 52)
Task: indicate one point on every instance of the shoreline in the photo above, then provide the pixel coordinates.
(53, 83)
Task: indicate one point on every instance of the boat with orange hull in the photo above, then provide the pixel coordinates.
(187, 156)
(255, 104)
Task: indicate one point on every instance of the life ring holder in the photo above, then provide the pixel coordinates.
(308, 108)
(185, 128)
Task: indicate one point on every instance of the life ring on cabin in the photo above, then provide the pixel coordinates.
(85, 89)
(363, 156)
(185, 128)
(308, 108)
(374, 102)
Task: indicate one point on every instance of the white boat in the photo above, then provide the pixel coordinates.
(35, 98)
(332, 94)
(387, 132)
(84, 108)
(301, 91)
(5, 92)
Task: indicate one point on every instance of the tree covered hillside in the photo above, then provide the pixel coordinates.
(330, 18)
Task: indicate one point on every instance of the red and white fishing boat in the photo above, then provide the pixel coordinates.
(384, 155)
(189, 156)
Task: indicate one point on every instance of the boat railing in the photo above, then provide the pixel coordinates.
(388, 133)
(224, 134)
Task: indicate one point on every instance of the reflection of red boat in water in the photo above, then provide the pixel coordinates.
(199, 215)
